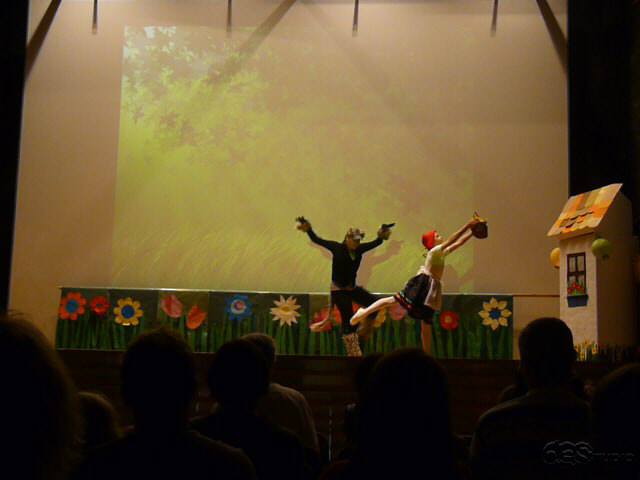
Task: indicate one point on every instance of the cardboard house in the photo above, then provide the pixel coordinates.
(597, 295)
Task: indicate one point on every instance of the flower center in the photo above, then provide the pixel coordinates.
(72, 306)
(127, 311)
(495, 314)
(285, 309)
(238, 305)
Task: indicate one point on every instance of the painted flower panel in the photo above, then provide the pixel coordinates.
(449, 320)
(285, 310)
(381, 316)
(238, 307)
(398, 312)
(99, 305)
(196, 317)
(320, 321)
(494, 313)
(71, 306)
(128, 312)
(172, 306)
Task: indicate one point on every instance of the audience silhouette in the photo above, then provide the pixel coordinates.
(528, 436)
(238, 377)
(283, 406)
(400, 426)
(37, 406)
(403, 423)
(158, 383)
(362, 374)
(616, 422)
(100, 422)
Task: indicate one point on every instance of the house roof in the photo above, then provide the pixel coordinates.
(585, 210)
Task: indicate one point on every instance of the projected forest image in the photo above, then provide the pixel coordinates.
(225, 140)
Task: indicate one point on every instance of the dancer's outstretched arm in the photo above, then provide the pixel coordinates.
(305, 226)
(457, 235)
(458, 243)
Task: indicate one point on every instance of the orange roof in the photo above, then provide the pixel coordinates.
(585, 210)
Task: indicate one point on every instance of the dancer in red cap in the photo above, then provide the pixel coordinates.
(422, 294)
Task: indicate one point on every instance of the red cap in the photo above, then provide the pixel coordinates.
(429, 239)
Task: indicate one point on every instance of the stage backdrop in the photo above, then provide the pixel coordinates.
(469, 326)
(174, 146)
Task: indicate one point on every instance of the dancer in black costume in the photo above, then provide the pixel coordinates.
(344, 268)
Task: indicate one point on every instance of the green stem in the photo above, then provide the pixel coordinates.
(449, 335)
(302, 333)
(501, 344)
(489, 342)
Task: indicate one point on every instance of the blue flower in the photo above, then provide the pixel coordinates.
(238, 307)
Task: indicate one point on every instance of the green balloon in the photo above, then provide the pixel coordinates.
(601, 248)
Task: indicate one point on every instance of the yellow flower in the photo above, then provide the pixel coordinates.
(128, 312)
(594, 349)
(285, 310)
(494, 313)
(380, 317)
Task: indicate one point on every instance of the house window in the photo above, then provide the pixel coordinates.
(576, 274)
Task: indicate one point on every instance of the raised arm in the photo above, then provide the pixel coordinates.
(458, 243)
(383, 234)
(305, 226)
(457, 235)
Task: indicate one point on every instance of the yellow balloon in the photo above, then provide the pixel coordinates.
(555, 257)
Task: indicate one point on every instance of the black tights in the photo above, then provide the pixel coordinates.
(343, 298)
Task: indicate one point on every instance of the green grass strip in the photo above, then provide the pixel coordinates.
(437, 340)
(269, 324)
(59, 336)
(449, 344)
(181, 327)
(66, 334)
(395, 335)
(291, 349)
(277, 338)
(371, 345)
(501, 341)
(387, 334)
(191, 340)
(303, 331)
(489, 342)
(312, 343)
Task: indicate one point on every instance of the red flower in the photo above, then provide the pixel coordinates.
(449, 320)
(398, 312)
(71, 306)
(319, 317)
(195, 317)
(172, 306)
(99, 305)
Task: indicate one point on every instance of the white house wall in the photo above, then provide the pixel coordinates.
(583, 321)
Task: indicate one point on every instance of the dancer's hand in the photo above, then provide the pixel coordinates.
(384, 233)
(303, 224)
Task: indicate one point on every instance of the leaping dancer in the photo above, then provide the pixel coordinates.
(344, 268)
(422, 294)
